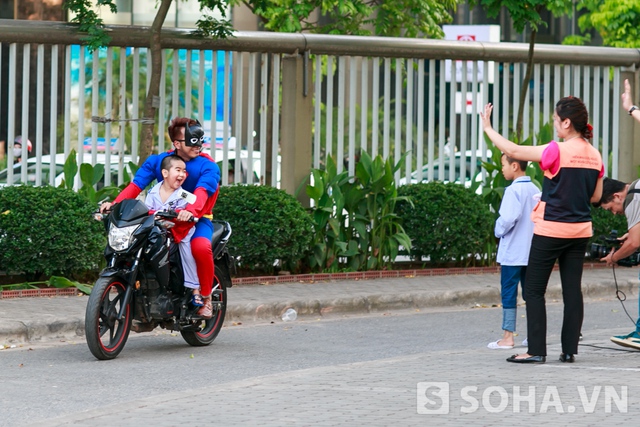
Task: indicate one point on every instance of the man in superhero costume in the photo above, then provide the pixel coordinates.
(203, 179)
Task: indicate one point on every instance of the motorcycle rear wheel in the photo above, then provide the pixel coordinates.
(106, 335)
(211, 327)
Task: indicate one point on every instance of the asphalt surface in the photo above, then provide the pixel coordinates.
(450, 382)
(41, 319)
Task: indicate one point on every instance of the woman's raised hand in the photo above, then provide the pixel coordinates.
(627, 102)
(486, 116)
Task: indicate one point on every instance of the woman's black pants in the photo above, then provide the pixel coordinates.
(570, 254)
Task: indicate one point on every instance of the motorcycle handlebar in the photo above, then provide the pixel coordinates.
(100, 216)
(172, 215)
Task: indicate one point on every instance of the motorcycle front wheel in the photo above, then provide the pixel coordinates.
(106, 335)
(210, 328)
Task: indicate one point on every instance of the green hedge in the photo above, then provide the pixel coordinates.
(448, 222)
(268, 225)
(47, 230)
(604, 222)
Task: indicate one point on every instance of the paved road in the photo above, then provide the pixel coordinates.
(378, 369)
(41, 319)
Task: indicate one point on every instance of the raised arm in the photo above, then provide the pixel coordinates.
(515, 151)
(627, 101)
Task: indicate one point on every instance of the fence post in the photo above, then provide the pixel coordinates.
(296, 127)
(627, 129)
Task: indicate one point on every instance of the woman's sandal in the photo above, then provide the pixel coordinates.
(196, 300)
(206, 311)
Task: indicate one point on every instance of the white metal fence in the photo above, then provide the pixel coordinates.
(381, 95)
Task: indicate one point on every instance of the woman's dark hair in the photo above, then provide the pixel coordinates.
(573, 108)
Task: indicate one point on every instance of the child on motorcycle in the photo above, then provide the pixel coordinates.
(167, 195)
(203, 179)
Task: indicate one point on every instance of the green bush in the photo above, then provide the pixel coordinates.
(447, 223)
(354, 219)
(47, 230)
(268, 225)
(604, 221)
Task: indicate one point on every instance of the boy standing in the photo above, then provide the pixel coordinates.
(167, 195)
(514, 228)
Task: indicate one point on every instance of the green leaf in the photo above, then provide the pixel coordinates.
(361, 227)
(70, 169)
(110, 193)
(316, 190)
(86, 174)
(403, 239)
(319, 253)
(351, 249)
(342, 246)
(98, 173)
(60, 282)
(372, 263)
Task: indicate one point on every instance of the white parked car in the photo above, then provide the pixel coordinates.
(457, 162)
(239, 169)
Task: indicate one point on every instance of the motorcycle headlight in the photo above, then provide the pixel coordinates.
(121, 238)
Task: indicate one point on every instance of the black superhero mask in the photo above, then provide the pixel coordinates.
(194, 135)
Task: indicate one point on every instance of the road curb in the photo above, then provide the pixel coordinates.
(14, 332)
(414, 300)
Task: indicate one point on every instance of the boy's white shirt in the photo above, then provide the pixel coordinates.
(514, 226)
(154, 201)
(176, 201)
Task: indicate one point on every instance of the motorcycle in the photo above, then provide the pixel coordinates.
(142, 286)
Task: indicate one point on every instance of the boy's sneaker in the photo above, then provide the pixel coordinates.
(631, 340)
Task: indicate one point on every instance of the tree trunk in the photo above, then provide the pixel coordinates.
(152, 101)
(525, 86)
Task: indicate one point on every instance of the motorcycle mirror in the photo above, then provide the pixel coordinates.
(189, 197)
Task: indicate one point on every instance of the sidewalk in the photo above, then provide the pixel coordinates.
(24, 320)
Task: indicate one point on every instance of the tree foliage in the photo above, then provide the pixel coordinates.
(89, 22)
(398, 18)
(525, 13)
(617, 22)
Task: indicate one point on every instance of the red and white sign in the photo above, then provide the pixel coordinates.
(468, 108)
(471, 33)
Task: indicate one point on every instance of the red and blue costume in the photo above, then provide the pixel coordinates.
(203, 180)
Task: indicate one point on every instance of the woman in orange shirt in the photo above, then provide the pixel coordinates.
(573, 172)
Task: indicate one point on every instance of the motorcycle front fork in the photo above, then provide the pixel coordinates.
(126, 300)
